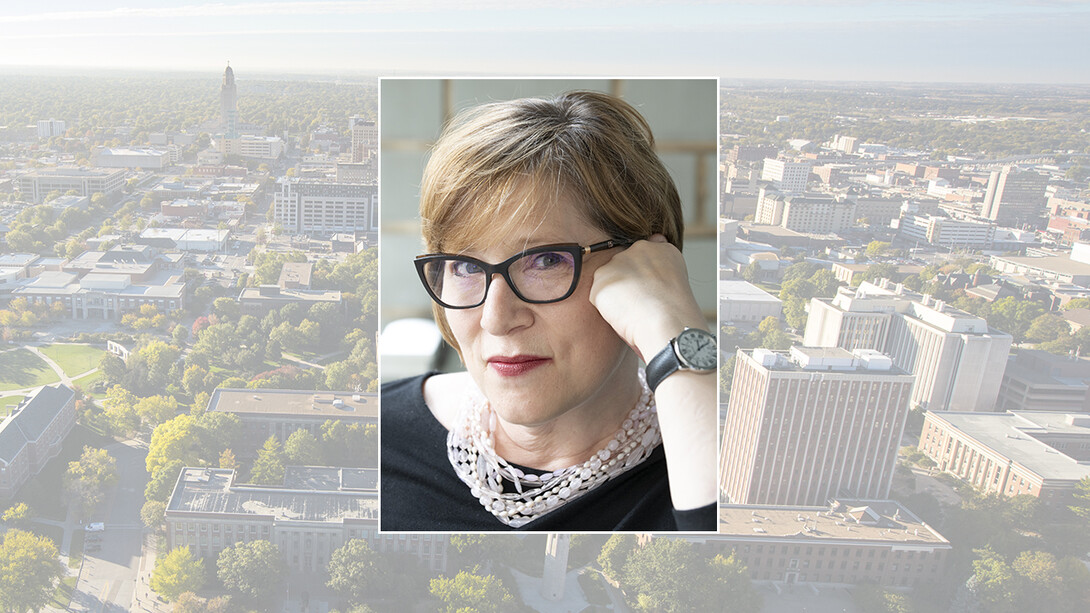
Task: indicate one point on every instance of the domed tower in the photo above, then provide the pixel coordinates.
(229, 103)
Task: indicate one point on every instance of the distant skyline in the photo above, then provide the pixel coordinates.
(972, 41)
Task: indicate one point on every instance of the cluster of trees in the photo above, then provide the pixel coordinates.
(30, 567)
(87, 479)
(45, 230)
(904, 118)
(652, 576)
(801, 282)
(21, 313)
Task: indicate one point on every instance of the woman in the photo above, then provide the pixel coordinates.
(553, 233)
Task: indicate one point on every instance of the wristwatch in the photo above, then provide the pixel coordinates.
(694, 349)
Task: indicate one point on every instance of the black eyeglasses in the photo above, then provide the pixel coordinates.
(539, 276)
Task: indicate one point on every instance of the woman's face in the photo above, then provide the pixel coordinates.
(536, 362)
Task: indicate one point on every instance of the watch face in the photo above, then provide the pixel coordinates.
(698, 349)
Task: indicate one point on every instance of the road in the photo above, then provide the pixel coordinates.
(108, 579)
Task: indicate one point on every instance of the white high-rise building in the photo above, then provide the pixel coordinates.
(326, 207)
(785, 175)
(48, 128)
(957, 359)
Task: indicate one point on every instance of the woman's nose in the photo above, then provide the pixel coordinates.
(503, 311)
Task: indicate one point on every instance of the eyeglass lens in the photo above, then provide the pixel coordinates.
(537, 276)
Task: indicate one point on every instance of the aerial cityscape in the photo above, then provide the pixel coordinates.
(190, 329)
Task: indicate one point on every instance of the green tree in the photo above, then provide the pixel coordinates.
(153, 513)
(1081, 502)
(728, 581)
(18, 515)
(177, 572)
(665, 576)
(615, 554)
(268, 468)
(87, 479)
(302, 448)
(994, 581)
(879, 271)
(154, 410)
(356, 571)
(877, 248)
(119, 406)
(30, 568)
(472, 592)
(253, 569)
(1047, 327)
(188, 602)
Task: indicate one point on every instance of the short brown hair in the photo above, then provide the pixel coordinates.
(498, 164)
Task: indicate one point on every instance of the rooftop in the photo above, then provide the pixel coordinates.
(331, 405)
(213, 490)
(1011, 435)
(743, 291)
(30, 419)
(882, 521)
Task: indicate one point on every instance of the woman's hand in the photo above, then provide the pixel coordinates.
(644, 293)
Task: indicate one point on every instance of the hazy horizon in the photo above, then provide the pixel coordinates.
(921, 41)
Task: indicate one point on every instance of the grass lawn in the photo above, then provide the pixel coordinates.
(20, 368)
(74, 359)
(86, 382)
(62, 597)
(5, 401)
(75, 551)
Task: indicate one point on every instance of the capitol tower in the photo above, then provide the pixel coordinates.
(229, 103)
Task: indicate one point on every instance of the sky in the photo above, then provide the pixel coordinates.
(996, 41)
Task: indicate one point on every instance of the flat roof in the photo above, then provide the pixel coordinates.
(208, 490)
(1061, 264)
(306, 295)
(1010, 435)
(743, 291)
(330, 405)
(870, 521)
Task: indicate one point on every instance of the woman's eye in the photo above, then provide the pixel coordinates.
(548, 259)
(464, 269)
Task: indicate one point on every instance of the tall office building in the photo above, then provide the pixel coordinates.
(48, 128)
(957, 359)
(1015, 197)
(812, 425)
(364, 138)
(786, 176)
(229, 103)
(810, 214)
(325, 207)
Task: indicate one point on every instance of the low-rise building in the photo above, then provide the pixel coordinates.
(1039, 453)
(258, 301)
(279, 413)
(841, 544)
(314, 513)
(741, 301)
(36, 185)
(33, 433)
(1037, 380)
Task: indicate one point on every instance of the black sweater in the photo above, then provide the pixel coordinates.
(421, 492)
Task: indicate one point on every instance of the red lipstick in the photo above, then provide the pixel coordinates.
(513, 366)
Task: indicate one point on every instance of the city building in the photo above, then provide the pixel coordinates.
(186, 239)
(945, 232)
(279, 413)
(840, 544)
(250, 146)
(315, 512)
(811, 425)
(295, 275)
(148, 159)
(37, 184)
(258, 301)
(808, 214)
(1039, 453)
(1060, 268)
(48, 128)
(1015, 197)
(741, 301)
(1037, 380)
(785, 175)
(749, 153)
(955, 356)
(364, 138)
(229, 103)
(33, 434)
(325, 207)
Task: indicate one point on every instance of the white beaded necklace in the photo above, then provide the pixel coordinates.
(472, 453)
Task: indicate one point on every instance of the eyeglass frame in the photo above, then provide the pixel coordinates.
(503, 268)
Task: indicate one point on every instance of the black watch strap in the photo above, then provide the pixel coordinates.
(664, 364)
